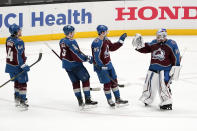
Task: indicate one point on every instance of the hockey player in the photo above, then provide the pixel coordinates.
(15, 63)
(72, 59)
(165, 64)
(103, 65)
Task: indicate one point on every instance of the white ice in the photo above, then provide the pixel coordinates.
(53, 106)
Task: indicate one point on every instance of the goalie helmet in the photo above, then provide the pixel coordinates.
(161, 34)
(13, 29)
(68, 29)
(101, 28)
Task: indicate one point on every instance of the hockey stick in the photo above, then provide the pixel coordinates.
(39, 58)
(119, 85)
(92, 89)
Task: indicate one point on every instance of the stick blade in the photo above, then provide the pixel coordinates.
(95, 89)
(121, 85)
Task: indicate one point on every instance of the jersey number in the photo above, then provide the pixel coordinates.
(106, 53)
(64, 52)
(10, 54)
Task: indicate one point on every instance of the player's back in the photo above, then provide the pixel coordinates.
(69, 55)
(15, 54)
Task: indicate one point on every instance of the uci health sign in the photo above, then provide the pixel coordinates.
(47, 21)
(44, 19)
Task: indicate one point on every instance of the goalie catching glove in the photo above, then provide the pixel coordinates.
(138, 41)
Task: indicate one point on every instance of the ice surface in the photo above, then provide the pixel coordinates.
(53, 106)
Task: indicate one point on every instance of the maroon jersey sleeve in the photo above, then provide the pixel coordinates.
(113, 46)
(146, 49)
(23, 56)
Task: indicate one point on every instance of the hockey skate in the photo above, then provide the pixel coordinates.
(121, 102)
(166, 107)
(88, 101)
(80, 102)
(146, 105)
(111, 103)
(23, 105)
(17, 100)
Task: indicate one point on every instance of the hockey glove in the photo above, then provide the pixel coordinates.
(25, 67)
(138, 41)
(89, 59)
(122, 38)
(174, 72)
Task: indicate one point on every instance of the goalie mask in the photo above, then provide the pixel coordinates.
(161, 35)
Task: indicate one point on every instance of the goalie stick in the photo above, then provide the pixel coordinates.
(92, 89)
(39, 58)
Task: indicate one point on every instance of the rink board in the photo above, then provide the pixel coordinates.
(45, 22)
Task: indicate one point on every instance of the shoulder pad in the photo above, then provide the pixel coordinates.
(173, 42)
(19, 39)
(72, 39)
(106, 38)
(20, 45)
(96, 40)
(152, 42)
(62, 40)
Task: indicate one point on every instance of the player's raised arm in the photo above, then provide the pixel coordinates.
(139, 44)
(116, 45)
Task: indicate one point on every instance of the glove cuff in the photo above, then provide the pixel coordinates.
(22, 66)
(121, 41)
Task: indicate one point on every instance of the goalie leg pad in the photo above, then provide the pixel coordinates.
(164, 91)
(150, 87)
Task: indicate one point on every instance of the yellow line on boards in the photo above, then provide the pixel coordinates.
(112, 33)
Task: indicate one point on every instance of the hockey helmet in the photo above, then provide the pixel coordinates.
(101, 28)
(68, 29)
(13, 29)
(161, 34)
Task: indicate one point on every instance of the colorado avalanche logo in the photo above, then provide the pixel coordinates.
(159, 54)
(106, 53)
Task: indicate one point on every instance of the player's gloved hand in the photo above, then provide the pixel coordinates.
(138, 41)
(89, 59)
(174, 72)
(25, 67)
(122, 38)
